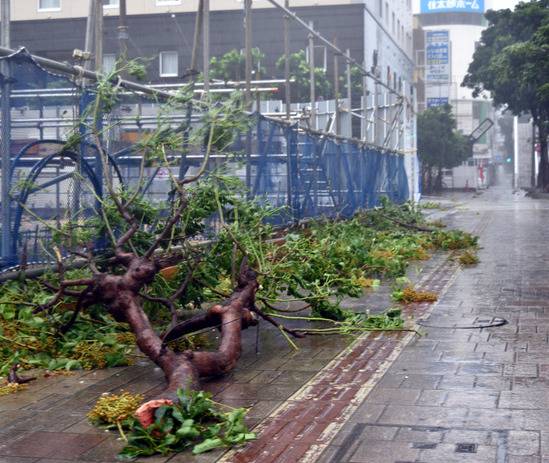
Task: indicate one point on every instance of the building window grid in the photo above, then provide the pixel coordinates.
(109, 63)
(167, 2)
(49, 5)
(320, 52)
(111, 3)
(168, 64)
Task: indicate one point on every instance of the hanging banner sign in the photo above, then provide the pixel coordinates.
(437, 56)
(452, 6)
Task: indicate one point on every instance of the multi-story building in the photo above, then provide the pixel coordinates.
(445, 38)
(377, 33)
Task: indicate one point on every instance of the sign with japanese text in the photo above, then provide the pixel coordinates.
(432, 102)
(452, 6)
(437, 56)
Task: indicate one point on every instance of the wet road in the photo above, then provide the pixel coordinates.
(469, 394)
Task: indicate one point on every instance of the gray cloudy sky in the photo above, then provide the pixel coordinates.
(500, 4)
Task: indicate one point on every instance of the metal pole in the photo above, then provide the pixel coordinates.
(98, 36)
(312, 78)
(336, 91)
(90, 28)
(349, 92)
(248, 50)
(6, 133)
(287, 88)
(197, 33)
(206, 44)
(364, 107)
(329, 44)
(123, 35)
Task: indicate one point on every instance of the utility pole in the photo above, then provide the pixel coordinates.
(287, 88)
(248, 50)
(312, 77)
(123, 35)
(6, 132)
(206, 44)
(336, 91)
(98, 36)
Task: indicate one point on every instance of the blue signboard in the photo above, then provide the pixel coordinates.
(432, 102)
(452, 6)
(437, 56)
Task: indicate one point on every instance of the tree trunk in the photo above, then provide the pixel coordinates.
(438, 182)
(543, 175)
(120, 293)
(429, 185)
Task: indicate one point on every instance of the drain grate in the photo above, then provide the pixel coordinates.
(466, 448)
(423, 445)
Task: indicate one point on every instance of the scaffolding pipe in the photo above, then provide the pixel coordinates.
(330, 45)
(248, 50)
(206, 44)
(312, 78)
(123, 35)
(98, 35)
(6, 132)
(287, 88)
(80, 71)
(336, 92)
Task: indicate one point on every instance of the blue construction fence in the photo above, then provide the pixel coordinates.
(304, 173)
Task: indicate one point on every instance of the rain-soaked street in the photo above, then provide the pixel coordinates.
(460, 392)
(463, 394)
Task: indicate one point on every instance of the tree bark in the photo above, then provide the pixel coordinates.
(120, 294)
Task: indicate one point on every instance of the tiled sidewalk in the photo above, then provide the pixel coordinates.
(451, 395)
(471, 395)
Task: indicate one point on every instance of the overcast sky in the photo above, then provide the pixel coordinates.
(500, 4)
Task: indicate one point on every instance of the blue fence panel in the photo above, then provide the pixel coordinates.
(305, 174)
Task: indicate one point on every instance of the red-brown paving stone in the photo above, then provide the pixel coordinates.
(325, 399)
(299, 425)
(40, 444)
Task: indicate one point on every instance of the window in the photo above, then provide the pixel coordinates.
(167, 2)
(111, 3)
(387, 12)
(321, 57)
(109, 63)
(49, 5)
(380, 7)
(169, 64)
(398, 30)
(393, 24)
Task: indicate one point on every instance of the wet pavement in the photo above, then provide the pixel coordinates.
(467, 394)
(457, 393)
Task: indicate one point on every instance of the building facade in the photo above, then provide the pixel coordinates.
(377, 33)
(445, 38)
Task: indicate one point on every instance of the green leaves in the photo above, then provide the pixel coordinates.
(192, 422)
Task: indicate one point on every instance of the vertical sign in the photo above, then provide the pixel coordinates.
(437, 56)
(452, 6)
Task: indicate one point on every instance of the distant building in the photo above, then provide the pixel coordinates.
(446, 35)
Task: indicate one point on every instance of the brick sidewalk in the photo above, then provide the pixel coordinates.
(389, 397)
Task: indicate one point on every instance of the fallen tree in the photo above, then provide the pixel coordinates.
(242, 274)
